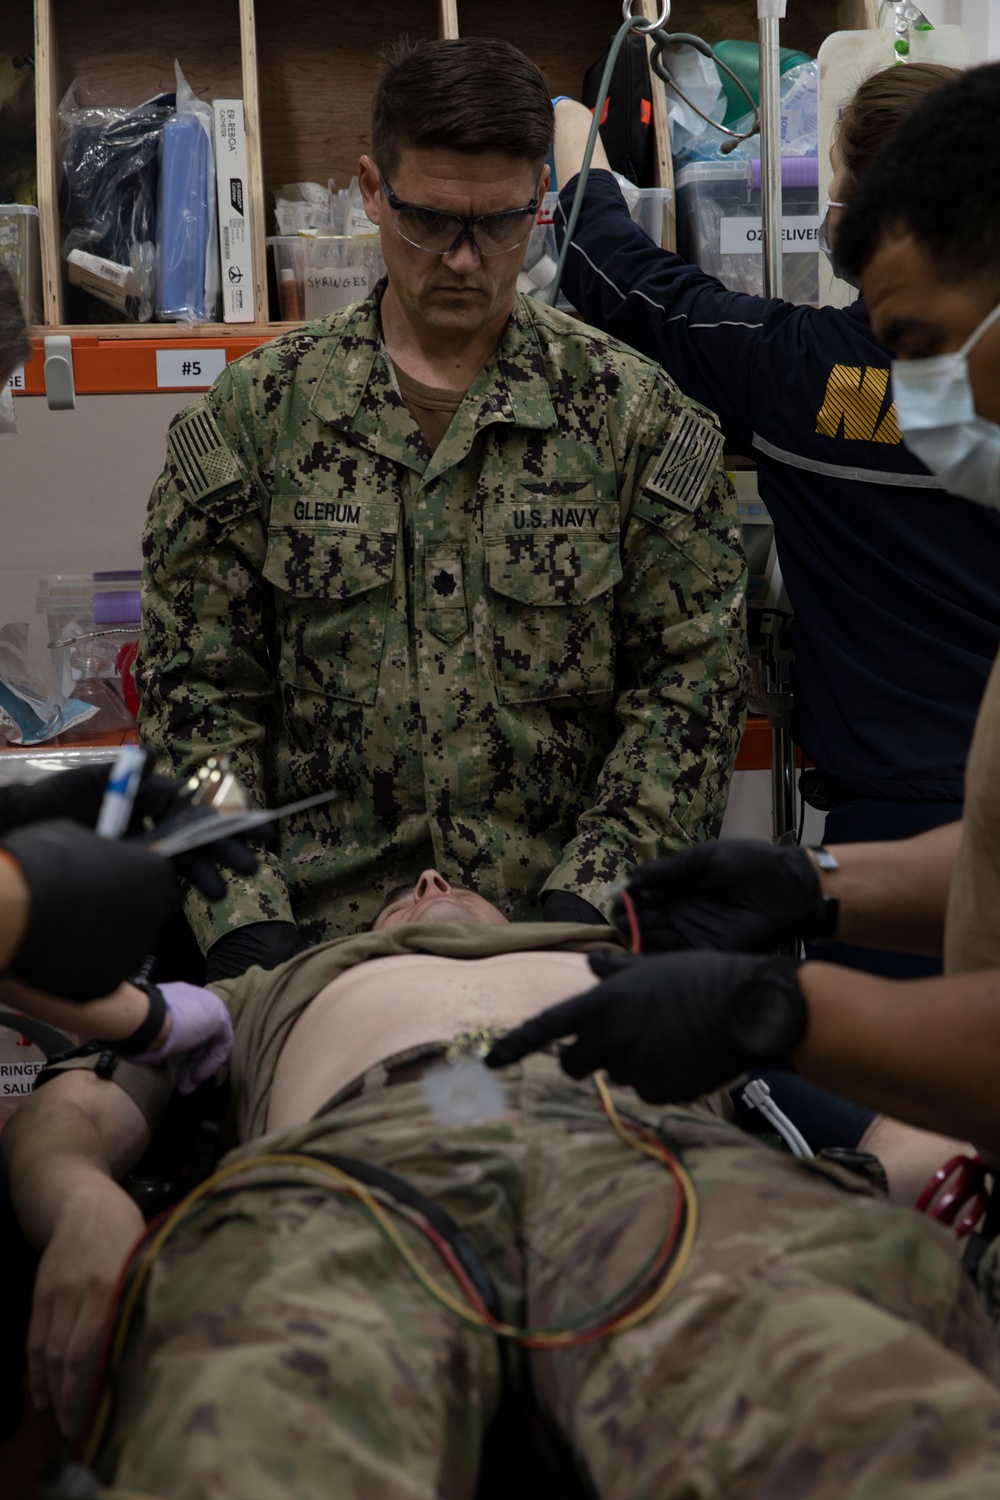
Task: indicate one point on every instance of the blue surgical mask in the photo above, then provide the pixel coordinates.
(823, 239)
(936, 412)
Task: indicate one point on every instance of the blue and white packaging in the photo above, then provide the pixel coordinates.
(187, 247)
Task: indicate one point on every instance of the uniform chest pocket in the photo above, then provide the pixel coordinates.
(331, 581)
(552, 603)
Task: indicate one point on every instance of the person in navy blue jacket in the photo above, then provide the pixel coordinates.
(893, 583)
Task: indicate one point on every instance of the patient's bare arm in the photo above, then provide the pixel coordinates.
(63, 1149)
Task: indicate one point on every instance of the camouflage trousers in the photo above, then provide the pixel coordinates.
(819, 1344)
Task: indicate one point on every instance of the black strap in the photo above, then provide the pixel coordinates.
(436, 1216)
(104, 1067)
(148, 1030)
(46, 1038)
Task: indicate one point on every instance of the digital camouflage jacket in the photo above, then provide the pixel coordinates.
(520, 659)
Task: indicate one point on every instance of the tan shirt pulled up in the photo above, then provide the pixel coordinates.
(432, 990)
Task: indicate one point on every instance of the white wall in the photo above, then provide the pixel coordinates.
(73, 493)
(980, 19)
(748, 813)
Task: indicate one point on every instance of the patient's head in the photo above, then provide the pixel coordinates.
(432, 899)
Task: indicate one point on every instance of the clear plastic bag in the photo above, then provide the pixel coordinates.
(303, 207)
(187, 242)
(799, 124)
(29, 715)
(356, 221)
(107, 205)
(699, 78)
(800, 110)
(18, 176)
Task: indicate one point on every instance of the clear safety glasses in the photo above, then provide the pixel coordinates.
(440, 233)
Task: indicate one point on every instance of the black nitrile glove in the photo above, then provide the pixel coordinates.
(96, 907)
(567, 906)
(672, 1027)
(734, 896)
(264, 945)
(78, 794)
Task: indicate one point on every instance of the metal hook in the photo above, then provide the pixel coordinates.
(638, 24)
(659, 67)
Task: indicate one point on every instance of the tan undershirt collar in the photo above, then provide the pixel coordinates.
(431, 407)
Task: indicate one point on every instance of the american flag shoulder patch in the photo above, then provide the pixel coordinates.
(689, 459)
(202, 456)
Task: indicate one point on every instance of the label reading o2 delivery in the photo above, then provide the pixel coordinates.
(188, 367)
(746, 236)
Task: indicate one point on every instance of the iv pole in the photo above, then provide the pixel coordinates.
(769, 12)
(778, 661)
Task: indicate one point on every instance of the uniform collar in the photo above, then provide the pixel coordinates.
(356, 393)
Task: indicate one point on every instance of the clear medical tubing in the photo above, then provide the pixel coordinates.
(661, 39)
(630, 23)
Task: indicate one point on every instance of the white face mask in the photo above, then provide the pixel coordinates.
(936, 412)
(823, 240)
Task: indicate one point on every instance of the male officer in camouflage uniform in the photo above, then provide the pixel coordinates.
(471, 563)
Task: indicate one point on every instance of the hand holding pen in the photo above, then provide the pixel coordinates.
(124, 800)
(95, 903)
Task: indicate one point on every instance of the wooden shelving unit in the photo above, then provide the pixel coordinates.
(305, 71)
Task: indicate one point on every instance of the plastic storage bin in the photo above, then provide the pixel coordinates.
(317, 274)
(718, 224)
(20, 253)
(289, 260)
(93, 622)
(645, 205)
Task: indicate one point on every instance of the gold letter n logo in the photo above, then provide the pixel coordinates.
(853, 404)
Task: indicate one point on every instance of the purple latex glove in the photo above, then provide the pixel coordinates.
(200, 1028)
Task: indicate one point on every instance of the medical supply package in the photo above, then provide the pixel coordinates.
(233, 202)
(187, 247)
(107, 205)
(29, 715)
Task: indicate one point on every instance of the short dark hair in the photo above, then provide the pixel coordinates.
(473, 94)
(938, 180)
(15, 346)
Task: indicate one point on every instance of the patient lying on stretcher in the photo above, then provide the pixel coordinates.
(360, 1019)
(408, 999)
(282, 1335)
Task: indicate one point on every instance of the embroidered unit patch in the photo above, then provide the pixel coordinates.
(688, 461)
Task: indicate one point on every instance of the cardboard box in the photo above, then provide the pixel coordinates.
(233, 199)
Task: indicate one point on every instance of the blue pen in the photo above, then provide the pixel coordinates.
(119, 796)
